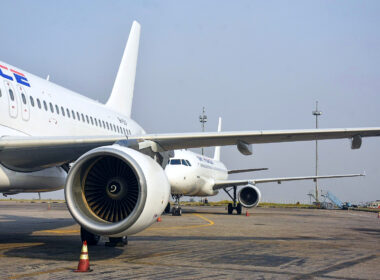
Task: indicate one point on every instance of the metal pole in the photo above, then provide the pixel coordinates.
(316, 113)
(203, 120)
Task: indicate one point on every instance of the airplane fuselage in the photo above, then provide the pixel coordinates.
(196, 178)
(31, 106)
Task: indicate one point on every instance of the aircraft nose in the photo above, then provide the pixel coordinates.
(176, 176)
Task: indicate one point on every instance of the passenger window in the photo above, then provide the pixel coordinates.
(23, 98)
(104, 125)
(45, 106)
(0, 92)
(11, 95)
(107, 126)
(62, 111)
(31, 101)
(92, 121)
(87, 119)
(78, 116)
(68, 112)
(39, 103)
(82, 118)
(73, 114)
(51, 107)
(96, 121)
(56, 109)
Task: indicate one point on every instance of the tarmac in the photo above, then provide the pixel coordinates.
(38, 241)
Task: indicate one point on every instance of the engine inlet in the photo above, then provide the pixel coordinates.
(111, 189)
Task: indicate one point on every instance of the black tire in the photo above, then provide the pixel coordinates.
(167, 208)
(230, 208)
(177, 211)
(92, 239)
(238, 208)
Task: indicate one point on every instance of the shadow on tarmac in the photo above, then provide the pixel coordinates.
(18, 232)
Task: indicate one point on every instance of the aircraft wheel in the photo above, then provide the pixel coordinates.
(229, 208)
(92, 239)
(238, 208)
(176, 211)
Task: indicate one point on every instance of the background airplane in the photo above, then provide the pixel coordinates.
(117, 185)
(193, 174)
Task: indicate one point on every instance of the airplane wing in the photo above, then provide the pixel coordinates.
(245, 170)
(25, 153)
(209, 139)
(229, 183)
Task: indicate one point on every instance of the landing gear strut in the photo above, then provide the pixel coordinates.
(235, 205)
(92, 239)
(177, 210)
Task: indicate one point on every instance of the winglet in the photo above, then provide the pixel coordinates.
(121, 96)
(217, 149)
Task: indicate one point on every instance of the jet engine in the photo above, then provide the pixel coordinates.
(249, 196)
(116, 191)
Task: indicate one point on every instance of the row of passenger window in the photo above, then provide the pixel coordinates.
(70, 113)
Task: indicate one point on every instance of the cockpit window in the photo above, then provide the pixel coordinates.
(188, 163)
(184, 162)
(175, 162)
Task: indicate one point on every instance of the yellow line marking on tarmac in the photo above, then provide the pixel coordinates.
(59, 231)
(18, 245)
(75, 231)
(32, 274)
(210, 223)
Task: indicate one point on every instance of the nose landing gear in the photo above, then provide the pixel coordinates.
(177, 210)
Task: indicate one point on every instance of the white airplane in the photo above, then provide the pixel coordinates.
(116, 185)
(192, 174)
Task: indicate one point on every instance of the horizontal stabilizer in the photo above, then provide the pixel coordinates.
(245, 170)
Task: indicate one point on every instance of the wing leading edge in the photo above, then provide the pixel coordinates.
(23, 153)
(228, 183)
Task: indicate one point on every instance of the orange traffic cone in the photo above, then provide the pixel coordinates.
(84, 263)
(246, 214)
(159, 219)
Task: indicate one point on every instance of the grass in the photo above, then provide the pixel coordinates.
(262, 204)
(34, 200)
(211, 203)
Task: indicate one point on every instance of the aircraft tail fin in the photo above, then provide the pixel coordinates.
(121, 96)
(217, 149)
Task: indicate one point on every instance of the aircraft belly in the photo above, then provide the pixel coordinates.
(40, 181)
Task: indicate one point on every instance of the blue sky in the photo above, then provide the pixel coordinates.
(257, 64)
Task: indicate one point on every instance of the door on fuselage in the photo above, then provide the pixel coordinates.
(25, 110)
(12, 99)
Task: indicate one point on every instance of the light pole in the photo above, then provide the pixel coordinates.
(316, 113)
(203, 120)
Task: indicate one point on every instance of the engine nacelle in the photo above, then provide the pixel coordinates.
(249, 196)
(116, 191)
